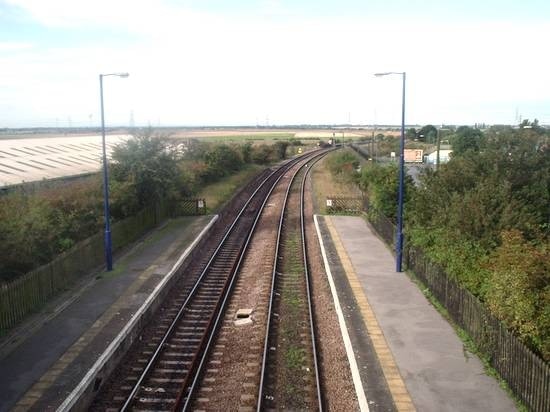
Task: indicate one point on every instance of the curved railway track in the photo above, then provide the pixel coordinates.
(290, 373)
(161, 370)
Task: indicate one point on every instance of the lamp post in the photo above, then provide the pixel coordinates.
(107, 239)
(401, 191)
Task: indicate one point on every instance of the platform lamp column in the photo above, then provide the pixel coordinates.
(107, 239)
(401, 189)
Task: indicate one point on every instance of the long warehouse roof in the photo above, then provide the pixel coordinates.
(30, 160)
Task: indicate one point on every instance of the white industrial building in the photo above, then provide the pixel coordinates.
(34, 159)
(444, 156)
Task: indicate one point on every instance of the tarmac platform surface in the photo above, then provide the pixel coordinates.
(438, 373)
(46, 357)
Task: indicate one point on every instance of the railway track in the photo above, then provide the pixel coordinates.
(161, 370)
(290, 374)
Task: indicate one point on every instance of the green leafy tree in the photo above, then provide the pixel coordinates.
(485, 218)
(380, 183)
(28, 234)
(143, 171)
(280, 149)
(411, 133)
(466, 139)
(427, 134)
(520, 289)
(222, 160)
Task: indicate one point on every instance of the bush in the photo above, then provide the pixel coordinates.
(343, 164)
(36, 226)
(380, 183)
(222, 160)
(262, 154)
(484, 217)
(520, 289)
(143, 172)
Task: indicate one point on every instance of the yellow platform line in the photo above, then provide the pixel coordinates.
(396, 385)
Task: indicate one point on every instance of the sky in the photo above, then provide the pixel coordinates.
(273, 62)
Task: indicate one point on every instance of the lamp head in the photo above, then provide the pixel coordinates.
(388, 73)
(115, 74)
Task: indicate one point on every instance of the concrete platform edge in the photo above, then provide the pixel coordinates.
(359, 390)
(81, 395)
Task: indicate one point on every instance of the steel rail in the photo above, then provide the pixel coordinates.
(272, 293)
(308, 282)
(226, 297)
(159, 348)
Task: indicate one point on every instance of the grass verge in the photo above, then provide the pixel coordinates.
(325, 184)
(216, 194)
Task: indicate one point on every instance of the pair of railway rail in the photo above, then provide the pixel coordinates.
(163, 370)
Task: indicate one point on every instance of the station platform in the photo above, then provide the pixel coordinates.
(42, 360)
(420, 362)
(405, 356)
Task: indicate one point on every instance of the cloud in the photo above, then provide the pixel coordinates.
(144, 16)
(190, 67)
(14, 46)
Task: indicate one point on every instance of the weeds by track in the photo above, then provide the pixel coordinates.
(161, 369)
(289, 376)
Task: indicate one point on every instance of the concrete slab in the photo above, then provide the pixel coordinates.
(440, 374)
(244, 313)
(243, 322)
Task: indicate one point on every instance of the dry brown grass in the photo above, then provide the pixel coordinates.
(325, 184)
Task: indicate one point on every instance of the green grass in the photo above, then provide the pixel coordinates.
(260, 137)
(294, 358)
(216, 194)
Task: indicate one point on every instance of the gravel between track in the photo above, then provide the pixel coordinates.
(233, 372)
(336, 380)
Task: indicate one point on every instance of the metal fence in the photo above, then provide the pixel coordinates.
(526, 373)
(32, 290)
(191, 207)
(344, 204)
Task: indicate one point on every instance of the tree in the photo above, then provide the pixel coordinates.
(280, 149)
(380, 184)
(144, 171)
(520, 289)
(411, 133)
(427, 134)
(465, 139)
(222, 160)
(262, 154)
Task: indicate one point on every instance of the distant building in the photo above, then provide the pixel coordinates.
(53, 157)
(444, 156)
(414, 155)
